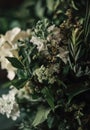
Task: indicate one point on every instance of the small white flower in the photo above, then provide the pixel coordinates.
(45, 74)
(63, 55)
(51, 28)
(38, 42)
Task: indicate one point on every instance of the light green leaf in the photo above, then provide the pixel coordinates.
(41, 115)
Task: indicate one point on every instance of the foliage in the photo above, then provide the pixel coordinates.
(52, 66)
(29, 12)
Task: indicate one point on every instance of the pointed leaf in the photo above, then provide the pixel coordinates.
(15, 62)
(19, 83)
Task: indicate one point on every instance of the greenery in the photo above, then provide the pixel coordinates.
(48, 65)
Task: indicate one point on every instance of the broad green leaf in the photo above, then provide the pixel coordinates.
(15, 62)
(48, 96)
(41, 115)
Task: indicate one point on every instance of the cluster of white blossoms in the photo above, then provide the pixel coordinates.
(8, 104)
(53, 38)
(8, 48)
(46, 74)
(41, 43)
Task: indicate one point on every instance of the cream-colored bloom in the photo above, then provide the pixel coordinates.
(9, 48)
(5, 64)
(54, 34)
(38, 42)
(11, 35)
(63, 55)
(51, 28)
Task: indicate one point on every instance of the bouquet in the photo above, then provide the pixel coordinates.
(48, 67)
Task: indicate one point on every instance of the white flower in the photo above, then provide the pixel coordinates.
(63, 55)
(38, 42)
(11, 35)
(8, 104)
(2, 40)
(51, 28)
(5, 64)
(1, 107)
(9, 48)
(54, 34)
(45, 74)
(15, 113)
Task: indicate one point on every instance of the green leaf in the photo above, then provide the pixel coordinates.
(6, 85)
(15, 62)
(76, 93)
(73, 5)
(49, 97)
(50, 121)
(41, 115)
(78, 53)
(66, 70)
(19, 83)
(50, 4)
(39, 9)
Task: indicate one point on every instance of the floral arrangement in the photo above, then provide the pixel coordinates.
(42, 64)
